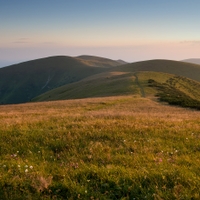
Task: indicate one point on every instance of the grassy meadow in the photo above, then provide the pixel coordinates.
(124, 147)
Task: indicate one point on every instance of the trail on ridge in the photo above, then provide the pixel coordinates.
(139, 85)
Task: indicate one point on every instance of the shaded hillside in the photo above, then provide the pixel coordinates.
(192, 60)
(104, 84)
(21, 82)
(108, 84)
(188, 70)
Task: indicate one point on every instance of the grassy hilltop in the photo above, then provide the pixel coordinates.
(170, 88)
(124, 147)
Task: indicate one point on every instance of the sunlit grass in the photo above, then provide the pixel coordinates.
(100, 148)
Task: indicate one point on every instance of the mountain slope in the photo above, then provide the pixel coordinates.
(124, 79)
(127, 83)
(134, 79)
(21, 82)
(104, 84)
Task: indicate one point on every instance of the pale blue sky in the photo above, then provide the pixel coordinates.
(131, 30)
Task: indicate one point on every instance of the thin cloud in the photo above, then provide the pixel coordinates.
(22, 41)
(191, 42)
(28, 41)
(48, 43)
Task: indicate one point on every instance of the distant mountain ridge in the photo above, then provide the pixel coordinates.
(24, 81)
(100, 61)
(188, 70)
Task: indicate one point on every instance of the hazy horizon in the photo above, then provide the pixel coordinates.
(130, 30)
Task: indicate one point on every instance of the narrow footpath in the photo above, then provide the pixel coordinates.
(138, 84)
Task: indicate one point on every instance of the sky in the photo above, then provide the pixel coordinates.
(131, 30)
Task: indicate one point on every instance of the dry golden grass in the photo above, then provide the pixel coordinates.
(107, 148)
(104, 107)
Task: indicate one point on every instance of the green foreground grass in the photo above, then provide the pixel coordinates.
(100, 148)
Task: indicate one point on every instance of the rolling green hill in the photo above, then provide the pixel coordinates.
(127, 83)
(63, 77)
(170, 77)
(106, 84)
(21, 82)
